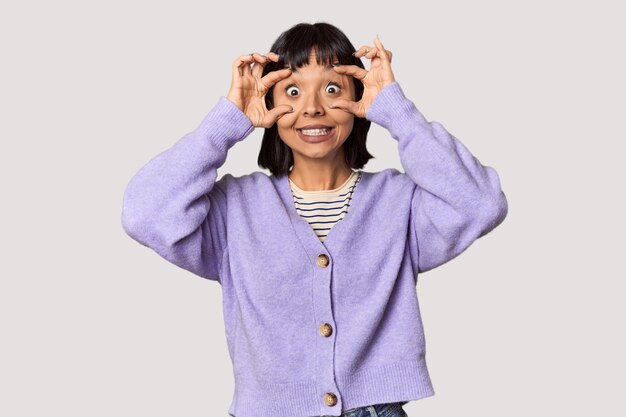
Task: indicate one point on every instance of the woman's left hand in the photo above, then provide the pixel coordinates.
(374, 80)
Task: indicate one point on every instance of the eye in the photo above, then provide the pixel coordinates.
(290, 91)
(334, 88)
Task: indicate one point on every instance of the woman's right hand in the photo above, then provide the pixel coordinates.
(248, 88)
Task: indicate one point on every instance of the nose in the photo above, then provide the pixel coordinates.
(313, 106)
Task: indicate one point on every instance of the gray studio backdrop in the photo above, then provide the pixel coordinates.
(528, 321)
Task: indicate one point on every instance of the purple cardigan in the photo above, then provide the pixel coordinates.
(316, 328)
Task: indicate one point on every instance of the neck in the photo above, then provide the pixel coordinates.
(319, 178)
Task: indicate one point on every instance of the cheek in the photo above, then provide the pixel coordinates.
(285, 122)
(345, 119)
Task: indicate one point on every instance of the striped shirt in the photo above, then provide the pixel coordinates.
(323, 209)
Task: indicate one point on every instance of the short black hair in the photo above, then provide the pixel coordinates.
(293, 47)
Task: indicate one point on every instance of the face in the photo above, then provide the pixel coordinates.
(314, 130)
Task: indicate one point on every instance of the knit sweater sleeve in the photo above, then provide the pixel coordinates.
(457, 199)
(174, 204)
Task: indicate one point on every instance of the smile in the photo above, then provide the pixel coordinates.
(315, 132)
(316, 135)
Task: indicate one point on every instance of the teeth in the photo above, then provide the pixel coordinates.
(315, 132)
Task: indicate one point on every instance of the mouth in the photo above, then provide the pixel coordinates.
(317, 134)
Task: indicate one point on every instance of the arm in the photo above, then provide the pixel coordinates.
(457, 199)
(174, 205)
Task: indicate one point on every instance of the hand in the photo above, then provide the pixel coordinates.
(248, 89)
(374, 80)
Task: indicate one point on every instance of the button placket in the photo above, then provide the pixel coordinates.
(326, 359)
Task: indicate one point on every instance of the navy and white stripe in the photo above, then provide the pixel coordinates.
(323, 209)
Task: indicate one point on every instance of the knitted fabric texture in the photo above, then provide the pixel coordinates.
(314, 328)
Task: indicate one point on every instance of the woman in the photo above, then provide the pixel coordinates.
(317, 262)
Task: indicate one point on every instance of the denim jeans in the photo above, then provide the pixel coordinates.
(377, 410)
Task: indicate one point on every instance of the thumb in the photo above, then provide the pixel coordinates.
(276, 113)
(347, 105)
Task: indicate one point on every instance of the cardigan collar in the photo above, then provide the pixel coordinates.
(313, 245)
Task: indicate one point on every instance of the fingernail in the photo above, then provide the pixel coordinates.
(291, 111)
(354, 53)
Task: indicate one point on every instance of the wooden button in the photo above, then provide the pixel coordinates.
(330, 399)
(326, 329)
(322, 260)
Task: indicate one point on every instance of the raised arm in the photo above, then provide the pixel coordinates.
(457, 199)
(174, 204)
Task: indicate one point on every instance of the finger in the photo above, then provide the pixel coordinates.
(348, 106)
(273, 56)
(362, 51)
(370, 54)
(247, 70)
(377, 52)
(276, 113)
(242, 59)
(275, 76)
(353, 70)
(374, 52)
(260, 62)
(381, 51)
(240, 63)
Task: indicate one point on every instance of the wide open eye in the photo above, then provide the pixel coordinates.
(291, 92)
(333, 88)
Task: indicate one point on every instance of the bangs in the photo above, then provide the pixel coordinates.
(299, 57)
(327, 42)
